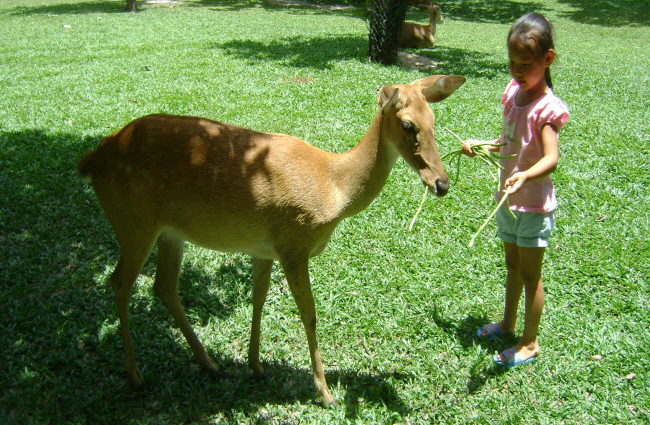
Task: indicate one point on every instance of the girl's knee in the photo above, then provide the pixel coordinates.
(530, 278)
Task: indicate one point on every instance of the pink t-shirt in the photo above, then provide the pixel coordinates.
(522, 134)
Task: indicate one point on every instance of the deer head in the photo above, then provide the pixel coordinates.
(409, 125)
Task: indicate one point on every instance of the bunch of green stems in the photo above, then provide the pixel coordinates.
(491, 158)
(482, 151)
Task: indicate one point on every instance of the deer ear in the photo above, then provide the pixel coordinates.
(387, 97)
(438, 87)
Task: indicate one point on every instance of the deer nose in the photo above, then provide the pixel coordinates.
(442, 187)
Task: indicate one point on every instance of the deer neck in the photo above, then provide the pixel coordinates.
(361, 173)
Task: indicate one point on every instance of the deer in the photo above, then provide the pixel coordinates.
(421, 36)
(168, 179)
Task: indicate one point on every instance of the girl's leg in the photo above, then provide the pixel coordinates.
(514, 287)
(531, 275)
(530, 272)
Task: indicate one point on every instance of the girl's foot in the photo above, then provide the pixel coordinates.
(491, 331)
(510, 357)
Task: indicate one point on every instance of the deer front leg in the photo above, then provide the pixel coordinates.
(261, 279)
(297, 273)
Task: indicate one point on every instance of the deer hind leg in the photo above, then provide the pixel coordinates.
(168, 267)
(297, 273)
(261, 279)
(133, 254)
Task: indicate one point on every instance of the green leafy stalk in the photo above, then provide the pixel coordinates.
(424, 196)
(487, 220)
(481, 150)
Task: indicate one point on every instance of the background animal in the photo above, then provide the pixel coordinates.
(421, 36)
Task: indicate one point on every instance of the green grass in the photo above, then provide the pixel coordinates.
(397, 310)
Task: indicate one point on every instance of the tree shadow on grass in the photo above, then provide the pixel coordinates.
(489, 11)
(471, 64)
(608, 13)
(297, 7)
(62, 351)
(115, 6)
(299, 52)
(77, 8)
(324, 52)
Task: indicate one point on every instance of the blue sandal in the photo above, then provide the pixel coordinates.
(492, 332)
(513, 359)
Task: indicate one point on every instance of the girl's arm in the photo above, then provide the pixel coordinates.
(467, 146)
(545, 166)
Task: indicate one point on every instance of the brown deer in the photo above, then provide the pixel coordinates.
(168, 179)
(421, 36)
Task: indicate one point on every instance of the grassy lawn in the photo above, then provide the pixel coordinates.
(398, 310)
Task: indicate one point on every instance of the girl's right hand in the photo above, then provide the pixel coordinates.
(466, 148)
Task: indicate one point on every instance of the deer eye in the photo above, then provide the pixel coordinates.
(408, 126)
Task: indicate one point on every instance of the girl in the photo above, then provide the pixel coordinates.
(532, 118)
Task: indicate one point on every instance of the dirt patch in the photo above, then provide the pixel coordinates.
(300, 3)
(413, 61)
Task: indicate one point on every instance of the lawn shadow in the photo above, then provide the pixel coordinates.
(608, 13)
(465, 333)
(173, 394)
(299, 52)
(489, 11)
(293, 7)
(77, 8)
(471, 64)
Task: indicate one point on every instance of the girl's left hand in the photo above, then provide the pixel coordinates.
(516, 181)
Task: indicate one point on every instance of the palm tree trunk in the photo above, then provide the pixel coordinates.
(386, 18)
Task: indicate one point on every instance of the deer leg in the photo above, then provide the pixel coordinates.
(132, 259)
(297, 273)
(261, 279)
(168, 267)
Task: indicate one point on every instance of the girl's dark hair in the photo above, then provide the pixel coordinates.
(533, 27)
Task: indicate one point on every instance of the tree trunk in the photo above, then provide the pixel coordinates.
(386, 18)
(130, 6)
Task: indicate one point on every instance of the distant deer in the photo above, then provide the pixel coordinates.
(169, 179)
(421, 36)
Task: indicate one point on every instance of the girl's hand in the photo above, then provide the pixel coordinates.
(466, 148)
(516, 181)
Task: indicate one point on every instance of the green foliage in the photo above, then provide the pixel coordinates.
(398, 310)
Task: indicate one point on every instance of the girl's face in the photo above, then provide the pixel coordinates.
(528, 69)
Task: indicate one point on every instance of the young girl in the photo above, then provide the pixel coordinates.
(532, 118)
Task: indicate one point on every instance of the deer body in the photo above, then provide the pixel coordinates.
(169, 179)
(421, 36)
